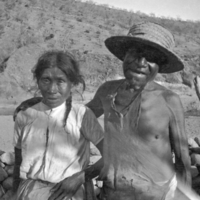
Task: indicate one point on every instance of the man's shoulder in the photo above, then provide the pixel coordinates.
(169, 95)
(164, 90)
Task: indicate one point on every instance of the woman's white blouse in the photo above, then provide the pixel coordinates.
(51, 152)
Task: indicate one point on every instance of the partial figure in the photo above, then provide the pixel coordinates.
(197, 87)
(52, 137)
(194, 150)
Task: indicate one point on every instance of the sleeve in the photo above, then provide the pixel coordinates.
(17, 132)
(95, 104)
(90, 127)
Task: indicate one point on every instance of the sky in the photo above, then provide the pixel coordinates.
(184, 9)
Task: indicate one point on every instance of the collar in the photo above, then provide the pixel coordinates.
(49, 110)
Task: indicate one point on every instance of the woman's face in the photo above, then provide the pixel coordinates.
(55, 87)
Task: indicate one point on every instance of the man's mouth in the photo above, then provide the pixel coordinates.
(139, 72)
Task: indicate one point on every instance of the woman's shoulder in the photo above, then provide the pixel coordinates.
(78, 108)
(77, 114)
(27, 114)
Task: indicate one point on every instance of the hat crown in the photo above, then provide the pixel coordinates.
(148, 35)
(154, 33)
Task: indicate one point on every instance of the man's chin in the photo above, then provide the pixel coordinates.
(137, 83)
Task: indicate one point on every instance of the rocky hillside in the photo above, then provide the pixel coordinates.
(29, 27)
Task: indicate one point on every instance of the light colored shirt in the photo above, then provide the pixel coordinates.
(51, 152)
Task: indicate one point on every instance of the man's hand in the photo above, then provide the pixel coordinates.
(68, 187)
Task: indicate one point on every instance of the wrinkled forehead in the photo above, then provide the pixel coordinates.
(53, 72)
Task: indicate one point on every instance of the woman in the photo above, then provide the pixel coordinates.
(52, 138)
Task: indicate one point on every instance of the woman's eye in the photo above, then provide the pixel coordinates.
(45, 80)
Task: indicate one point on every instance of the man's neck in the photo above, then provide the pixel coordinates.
(149, 86)
(126, 94)
(136, 88)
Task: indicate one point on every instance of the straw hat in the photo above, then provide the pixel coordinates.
(150, 35)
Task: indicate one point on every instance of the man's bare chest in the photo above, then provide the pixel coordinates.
(154, 116)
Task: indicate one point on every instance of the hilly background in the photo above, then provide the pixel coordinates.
(29, 27)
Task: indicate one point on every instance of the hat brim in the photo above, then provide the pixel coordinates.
(119, 45)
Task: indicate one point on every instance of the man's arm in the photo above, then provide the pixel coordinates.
(179, 138)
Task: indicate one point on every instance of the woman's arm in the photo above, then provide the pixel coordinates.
(69, 186)
(16, 174)
(18, 127)
(94, 170)
(93, 132)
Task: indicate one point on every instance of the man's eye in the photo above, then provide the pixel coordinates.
(130, 59)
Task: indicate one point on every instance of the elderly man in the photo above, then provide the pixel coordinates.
(143, 121)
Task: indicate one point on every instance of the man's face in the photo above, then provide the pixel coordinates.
(139, 68)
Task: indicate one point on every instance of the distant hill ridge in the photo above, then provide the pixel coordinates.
(29, 27)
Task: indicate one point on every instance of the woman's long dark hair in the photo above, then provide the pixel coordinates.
(66, 62)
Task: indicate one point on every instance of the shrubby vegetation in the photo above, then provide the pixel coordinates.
(82, 28)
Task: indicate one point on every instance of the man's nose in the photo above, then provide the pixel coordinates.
(143, 62)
